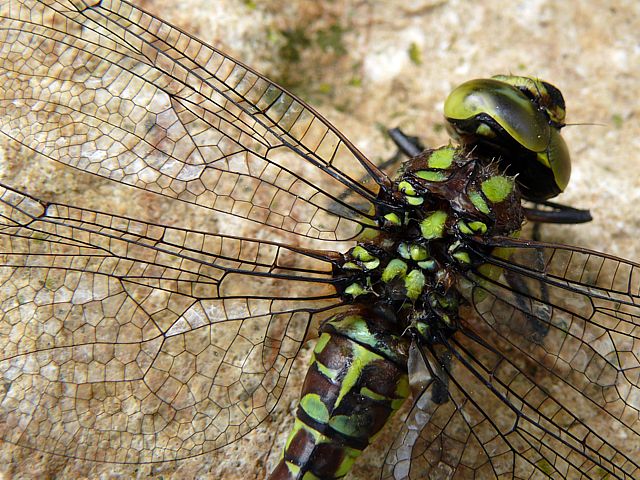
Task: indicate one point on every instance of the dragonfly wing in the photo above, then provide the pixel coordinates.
(566, 322)
(421, 432)
(112, 90)
(124, 341)
(452, 429)
(543, 368)
(494, 421)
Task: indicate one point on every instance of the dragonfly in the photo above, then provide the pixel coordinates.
(130, 341)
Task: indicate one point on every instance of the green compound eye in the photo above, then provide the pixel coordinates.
(517, 119)
(542, 93)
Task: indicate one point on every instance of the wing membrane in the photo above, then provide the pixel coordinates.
(498, 422)
(590, 313)
(125, 341)
(109, 89)
(538, 376)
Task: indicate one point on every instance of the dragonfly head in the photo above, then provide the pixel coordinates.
(518, 121)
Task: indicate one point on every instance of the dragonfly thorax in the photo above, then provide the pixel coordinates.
(449, 196)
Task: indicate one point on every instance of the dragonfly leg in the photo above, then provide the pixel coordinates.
(408, 146)
(538, 317)
(557, 213)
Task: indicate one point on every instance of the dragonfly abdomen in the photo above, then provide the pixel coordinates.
(357, 379)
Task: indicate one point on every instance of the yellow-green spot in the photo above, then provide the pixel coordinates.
(393, 218)
(403, 250)
(543, 158)
(462, 257)
(366, 392)
(503, 252)
(395, 268)
(428, 265)
(322, 342)
(406, 187)
(415, 55)
(450, 303)
(478, 227)
(397, 403)
(414, 283)
(431, 176)
(447, 301)
(488, 271)
(464, 228)
(442, 158)
(351, 266)
(493, 272)
(350, 425)
(497, 188)
(360, 253)
(472, 228)
(368, 234)
(402, 391)
(422, 328)
(433, 225)
(434, 300)
(313, 406)
(418, 252)
(355, 289)
(485, 131)
(310, 476)
(355, 328)
(415, 201)
(373, 264)
(293, 469)
(361, 358)
(350, 455)
(327, 372)
(401, 394)
(479, 203)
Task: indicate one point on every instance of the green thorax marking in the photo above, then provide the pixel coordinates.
(497, 188)
(449, 195)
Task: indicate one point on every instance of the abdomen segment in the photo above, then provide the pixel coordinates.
(356, 381)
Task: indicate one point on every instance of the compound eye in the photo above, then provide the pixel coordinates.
(543, 94)
(506, 119)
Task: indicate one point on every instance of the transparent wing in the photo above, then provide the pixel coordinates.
(543, 381)
(112, 90)
(576, 313)
(429, 382)
(124, 341)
